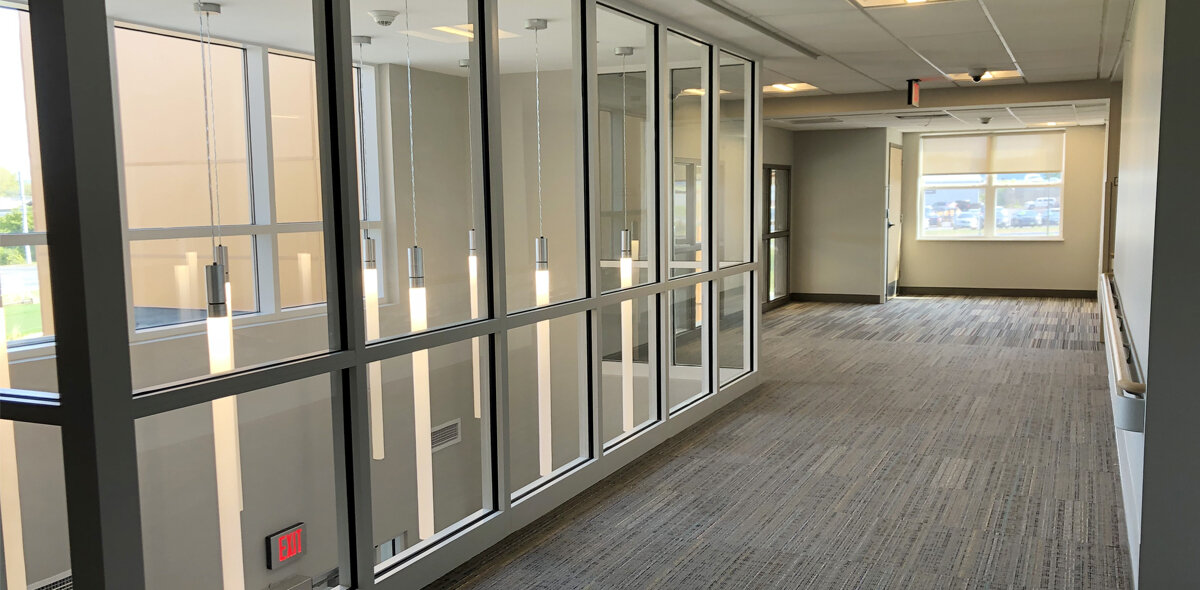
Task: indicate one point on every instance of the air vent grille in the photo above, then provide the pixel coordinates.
(62, 582)
(446, 435)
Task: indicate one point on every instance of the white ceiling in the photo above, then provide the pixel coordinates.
(1022, 116)
(879, 49)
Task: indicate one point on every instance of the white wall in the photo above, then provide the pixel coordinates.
(1069, 264)
(838, 202)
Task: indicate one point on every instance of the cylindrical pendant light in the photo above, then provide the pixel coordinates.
(219, 327)
(370, 275)
(541, 276)
(472, 256)
(419, 322)
(626, 262)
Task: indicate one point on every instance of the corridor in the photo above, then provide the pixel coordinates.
(933, 442)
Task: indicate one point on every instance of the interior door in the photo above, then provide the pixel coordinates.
(895, 179)
(776, 233)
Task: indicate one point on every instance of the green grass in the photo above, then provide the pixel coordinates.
(23, 320)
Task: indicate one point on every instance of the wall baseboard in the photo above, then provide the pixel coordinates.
(835, 298)
(991, 292)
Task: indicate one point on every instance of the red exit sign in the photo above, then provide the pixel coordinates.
(285, 546)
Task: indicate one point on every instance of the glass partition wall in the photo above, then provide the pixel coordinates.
(361, 287)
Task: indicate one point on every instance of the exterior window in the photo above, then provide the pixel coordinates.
(998, 186)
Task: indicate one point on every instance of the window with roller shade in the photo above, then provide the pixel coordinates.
(993, 186)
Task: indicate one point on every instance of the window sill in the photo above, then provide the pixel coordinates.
(991, 239)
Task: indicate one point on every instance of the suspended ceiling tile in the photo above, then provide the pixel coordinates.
(957, 52)
(922, 20)
(837, 32)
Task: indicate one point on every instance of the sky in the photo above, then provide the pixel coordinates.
(14, 139)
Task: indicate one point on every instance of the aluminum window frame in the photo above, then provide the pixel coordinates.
(98, 406)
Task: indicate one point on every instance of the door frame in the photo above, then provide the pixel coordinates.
(769, 304)
(887, 203)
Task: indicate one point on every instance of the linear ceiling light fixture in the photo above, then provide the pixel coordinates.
(219, 326)
(757, 24)
(541, 275)
(887, 3)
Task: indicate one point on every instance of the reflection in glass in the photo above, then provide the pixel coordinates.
(548, 433)
(417, 164)
(540, 106)
(777, 199)
(733, 337)
(437, 452)
(24, 267)
(295, 144)
(625, 149)
(286, 437)
(688, 353)
(733, 160)
(301, 265)
(777, 282)
(688, 86)
(33, 503)
(627, 383)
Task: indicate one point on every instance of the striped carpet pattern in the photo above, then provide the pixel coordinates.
(932, 442)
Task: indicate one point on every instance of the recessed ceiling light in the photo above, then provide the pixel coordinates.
(789, 87)
(885, 3)
(454, 33)
(1052, 123)
(989, 75)
(697, 91)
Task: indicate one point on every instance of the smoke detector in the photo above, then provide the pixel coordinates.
(384, 18)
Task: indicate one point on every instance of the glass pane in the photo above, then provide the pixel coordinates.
(430, 451)
(547, 405)
(1029, 211)
(542, 180)
(161, 103)
(733, 338)
(777, 271)
(168, 279)
(33, 502)
(429, 196)
(217, 479)
(24, 264)
(688, 85)
(953, 211)
(779, 195)
(627, 383)
(196, 120)
(688, 355)
(295, 146)
(733, 161)
(301, 268)
(625, 148)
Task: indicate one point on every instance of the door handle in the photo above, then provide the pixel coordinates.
(891, 225)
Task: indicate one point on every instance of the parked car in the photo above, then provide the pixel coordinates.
(1004, 217)
(1054, 217)
(1025, 218)
(968, 220)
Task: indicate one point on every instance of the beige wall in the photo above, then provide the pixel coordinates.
(838, 201)
(778, 146)
(1069, 264)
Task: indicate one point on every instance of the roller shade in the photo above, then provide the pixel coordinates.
(1001, 153)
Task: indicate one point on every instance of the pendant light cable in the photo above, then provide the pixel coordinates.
(210, 123)
(624, 149)
(362, 140)
(537, 97)
(412, 157)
